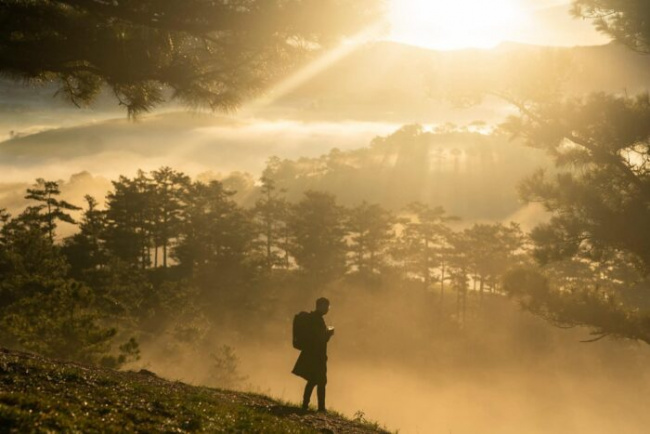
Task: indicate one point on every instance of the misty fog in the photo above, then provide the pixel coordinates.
(478, 217)
(504, 372)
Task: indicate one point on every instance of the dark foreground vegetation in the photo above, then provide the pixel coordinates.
(43, 395)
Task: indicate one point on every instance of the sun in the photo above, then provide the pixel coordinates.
(455, 24)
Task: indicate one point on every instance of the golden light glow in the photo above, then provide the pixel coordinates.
(455, 24)
(320, 64)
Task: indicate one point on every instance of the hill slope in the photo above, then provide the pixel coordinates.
(42, 395)
(391, 82)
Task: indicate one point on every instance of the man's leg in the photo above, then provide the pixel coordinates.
(321, 396)
(309, 388)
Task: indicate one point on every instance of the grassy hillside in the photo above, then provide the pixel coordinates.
(43, 395)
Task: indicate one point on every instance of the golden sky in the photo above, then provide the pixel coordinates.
(448, 25)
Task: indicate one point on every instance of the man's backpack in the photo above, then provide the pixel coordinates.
(300, 330)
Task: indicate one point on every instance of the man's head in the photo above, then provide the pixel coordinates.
(322, 305)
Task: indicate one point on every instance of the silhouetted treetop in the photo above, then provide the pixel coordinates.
(211, 53)
(54, 209)
(600, 197)
(624, 20)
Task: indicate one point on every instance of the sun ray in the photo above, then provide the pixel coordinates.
(323, 62)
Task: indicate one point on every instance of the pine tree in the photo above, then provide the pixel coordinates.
(129, 220)
(170, 188)
(317, 227)
(271, 212)
(86, 249)
(46, 193)
(425, 239)
(370, 230)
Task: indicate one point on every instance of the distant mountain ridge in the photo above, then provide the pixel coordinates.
(389, 81)
(392, 82)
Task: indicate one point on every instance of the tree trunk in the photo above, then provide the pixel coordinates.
(458, 300)
(464, 305)
(165, 237)
(50, 221)
(442, 286)
(269, 234)
(359, 261)
(426, 265)
(286, 247)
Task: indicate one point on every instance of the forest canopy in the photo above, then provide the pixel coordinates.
(167, 251)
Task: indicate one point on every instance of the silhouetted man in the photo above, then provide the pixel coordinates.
(312, 362)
